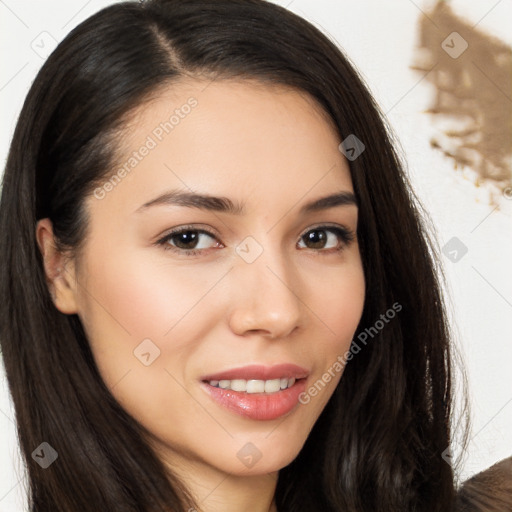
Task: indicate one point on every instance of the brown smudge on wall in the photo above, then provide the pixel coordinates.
(473, 100)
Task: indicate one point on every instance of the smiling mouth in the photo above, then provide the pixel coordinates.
(256, 399)
(253, 386)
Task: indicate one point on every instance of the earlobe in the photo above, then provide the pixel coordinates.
(59, 270)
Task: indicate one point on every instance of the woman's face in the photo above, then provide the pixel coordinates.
(270, 285)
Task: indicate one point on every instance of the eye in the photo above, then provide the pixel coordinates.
(185, 240)
(191, 241)
(319, 237)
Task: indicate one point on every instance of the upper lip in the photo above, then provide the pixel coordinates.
(260, 372)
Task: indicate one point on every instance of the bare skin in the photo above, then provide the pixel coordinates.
(298, 302)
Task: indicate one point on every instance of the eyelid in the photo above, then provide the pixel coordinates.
(327, 225)
(207, 230)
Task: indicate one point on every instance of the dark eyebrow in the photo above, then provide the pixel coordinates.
(226, 205)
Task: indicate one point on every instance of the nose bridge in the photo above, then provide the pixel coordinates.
(266, 297)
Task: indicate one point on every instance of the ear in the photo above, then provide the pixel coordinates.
(60, 271)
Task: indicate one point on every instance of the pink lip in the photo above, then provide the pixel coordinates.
(259, 372)
(258, 406)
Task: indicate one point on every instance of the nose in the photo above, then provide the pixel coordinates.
(264, 297)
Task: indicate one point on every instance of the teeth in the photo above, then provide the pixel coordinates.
(271, 386)
(254, 386)
(238, 385)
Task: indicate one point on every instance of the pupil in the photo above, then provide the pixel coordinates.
(187, 237)
(317, 239)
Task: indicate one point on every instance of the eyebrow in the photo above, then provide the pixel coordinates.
(226, 205)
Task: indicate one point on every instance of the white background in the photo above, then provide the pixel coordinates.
(379, 38)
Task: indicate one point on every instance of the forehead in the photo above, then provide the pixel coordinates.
(241, 112)
(259, 139)
(233, 98)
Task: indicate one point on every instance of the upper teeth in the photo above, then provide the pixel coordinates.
(254, 386)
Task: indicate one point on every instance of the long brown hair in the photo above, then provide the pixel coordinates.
(379, 443)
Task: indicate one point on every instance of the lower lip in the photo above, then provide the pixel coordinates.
(258, 406)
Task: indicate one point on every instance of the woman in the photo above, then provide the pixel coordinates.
(300, 360)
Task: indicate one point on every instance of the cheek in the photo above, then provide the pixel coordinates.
(141, 322)
(131, 298)
(352, 304)
(339, 309)
(342, 306)
(140, 298)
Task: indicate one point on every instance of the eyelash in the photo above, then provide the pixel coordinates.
(346, 235)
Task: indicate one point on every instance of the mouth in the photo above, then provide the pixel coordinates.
(254, 385)
(257, 392)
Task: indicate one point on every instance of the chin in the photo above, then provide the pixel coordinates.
(258, 456)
